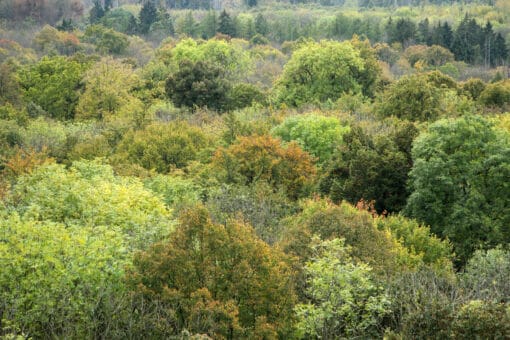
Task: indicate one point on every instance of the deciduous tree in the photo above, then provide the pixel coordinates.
(318, 72)
(263, 158)
(459, 183)
(199, 84)
(220, 280)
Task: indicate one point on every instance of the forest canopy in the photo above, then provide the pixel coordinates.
(254, 169)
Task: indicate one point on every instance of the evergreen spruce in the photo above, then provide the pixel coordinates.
(96, 13)
(226, 24)
(148, 16)
(261, 25)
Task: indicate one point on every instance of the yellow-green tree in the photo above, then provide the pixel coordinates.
(53, 84)
(90, 195)
(108, 91)
(344, 298)
(318, 72)
(59, 280)
(163, 146)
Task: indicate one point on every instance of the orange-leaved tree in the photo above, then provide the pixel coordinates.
(219, 280)
(264, 158)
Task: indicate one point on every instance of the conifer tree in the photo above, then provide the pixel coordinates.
(209, 25)
(226, 24)
(148, 16)
(261, 25)
(500, 50)
(96, 13)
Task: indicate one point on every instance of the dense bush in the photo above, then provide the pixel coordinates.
(106, 40)
(108, 91)
(334, 189)
(482, 320)
(54, 85)
(486, 276)
(53, 273)
(345, 300)
(258, 204)
(420, 97)
(378, 248)
(318, 72)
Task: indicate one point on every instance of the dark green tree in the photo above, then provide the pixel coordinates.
(500, 50)
(132, 26)
(466, 41)
(226, 25)
(442, 35)
(371, 168)
(488, 45)
(96, 13)
(459, 183)
(405, 32)
(66, 25)
(199, 84)
(261, 25)
(148, 16)
(108, 4)
(423, 34)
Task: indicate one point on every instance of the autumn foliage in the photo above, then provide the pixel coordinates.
(264, 158)
(219, 280)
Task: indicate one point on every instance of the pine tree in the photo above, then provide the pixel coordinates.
(443, 35)
(108, 5)
(209, 25)
(189, 25)
(249, 29)
(389, 28)
(424, 34)
(488, 45)
(96, 13)
(405, 31)
(132, 26)
(261, 25)
(148, 16)
(66, 25)
(466, 41)
(500, 50)
(226, 24)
